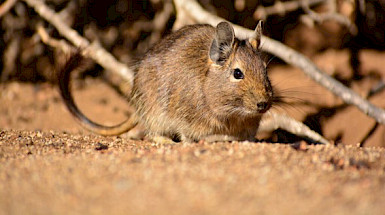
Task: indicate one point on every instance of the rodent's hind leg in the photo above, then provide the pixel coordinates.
(161, 139)
(136, 133)
(185, 139)
(273, 121)
(219, 138)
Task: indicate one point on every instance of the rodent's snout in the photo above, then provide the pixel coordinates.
(259, 100)
(264, 103)
(263, 106)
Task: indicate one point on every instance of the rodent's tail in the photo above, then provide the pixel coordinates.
(64, 79)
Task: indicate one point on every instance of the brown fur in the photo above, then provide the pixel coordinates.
(184, 86)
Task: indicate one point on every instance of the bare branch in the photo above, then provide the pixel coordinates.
(376, 88)
(157, 25)
(239, 5)
(9, 57)
(115, 80)
(58, 44)
(290, 56)
(6, 6)
(331, 15)
(281, 8)
(311, 16)
(273, 121)
(94, 51)
(369, 134)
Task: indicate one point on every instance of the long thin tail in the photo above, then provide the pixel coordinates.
(64, 79)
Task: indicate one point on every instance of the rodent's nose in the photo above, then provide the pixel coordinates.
(263, 106)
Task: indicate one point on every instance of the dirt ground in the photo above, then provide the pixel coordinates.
(50, 165)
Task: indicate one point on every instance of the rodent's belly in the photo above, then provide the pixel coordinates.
(161, 123)
(239, 128)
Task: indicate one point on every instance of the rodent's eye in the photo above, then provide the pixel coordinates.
(238, 74)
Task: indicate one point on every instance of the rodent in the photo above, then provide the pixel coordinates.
(196, 82)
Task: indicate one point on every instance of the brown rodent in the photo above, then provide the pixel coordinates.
(199, 81)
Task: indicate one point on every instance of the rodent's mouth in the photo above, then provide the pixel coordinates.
(244, 112)
(258, 109)
(263, 107)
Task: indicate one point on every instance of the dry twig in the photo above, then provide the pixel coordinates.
(94, 51)
(290, 56)
(332, 14)
(157, 25)
(58, 44)
(6, 6)
(161, 19)
(273, 121)
(282, 8)
(311, 16)
(61, 45)
(10, 57)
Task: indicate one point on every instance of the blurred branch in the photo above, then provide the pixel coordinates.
(93, 51)
(10, 57)
(61, 45)
(58, 44)
(158, 24)
(239, 5)
(274, 121)
(193, 10)
(376, 88)
(311, 16)
(161, 19)
(282, 8)
(68, 14)
(362, 6)
(6, 6)
(369, 134)
(332, 14)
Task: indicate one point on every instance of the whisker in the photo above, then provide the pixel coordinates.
(307, 89)
(295, 91)
(286, 107)
(293, 100)
(269, 61)
(279, 108)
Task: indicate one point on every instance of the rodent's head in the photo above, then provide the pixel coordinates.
(237, 81)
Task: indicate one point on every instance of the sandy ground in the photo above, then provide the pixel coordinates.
(58, 173)
(49, 165)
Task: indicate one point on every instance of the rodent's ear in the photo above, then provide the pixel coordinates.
(255, 40)
(222, 44)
